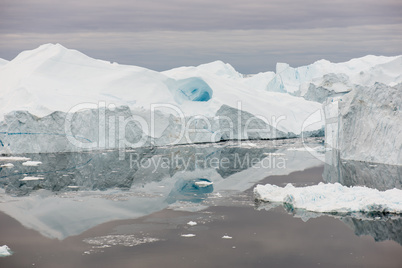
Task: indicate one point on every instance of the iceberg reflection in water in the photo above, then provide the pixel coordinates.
(354, 173)
(81, 190)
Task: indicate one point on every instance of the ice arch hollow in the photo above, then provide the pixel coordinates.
(193, 89)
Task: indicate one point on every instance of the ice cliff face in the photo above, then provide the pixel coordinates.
(366, 124)
(123, 128)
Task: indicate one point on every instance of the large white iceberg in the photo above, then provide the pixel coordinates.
(332, 198)
(55, 99)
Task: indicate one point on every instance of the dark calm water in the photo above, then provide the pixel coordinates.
(94, 210)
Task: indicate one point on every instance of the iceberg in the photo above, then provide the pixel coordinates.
(366, 124)
(323, 78)
(332, 198)
(56, 99)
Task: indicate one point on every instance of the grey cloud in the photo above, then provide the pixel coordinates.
(46, 16)
(249, 51)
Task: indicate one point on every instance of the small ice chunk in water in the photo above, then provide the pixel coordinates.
(191, 223)
(203, 183)
(5, 251)
(32, 178)
(32, 163)
(227, 237)
(8, 165)
(187, 235)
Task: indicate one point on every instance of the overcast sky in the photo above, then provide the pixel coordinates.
(161, 34)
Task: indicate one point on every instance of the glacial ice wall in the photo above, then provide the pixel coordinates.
(366, 124)
(123, 128)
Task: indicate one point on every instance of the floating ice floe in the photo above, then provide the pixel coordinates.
(192, 223)
(330, 198)
(32, 163)
(32, 178)
(187, 235)
(5, 251)
(14, 158)
(107, 241)
(8, 165)
(203, 183)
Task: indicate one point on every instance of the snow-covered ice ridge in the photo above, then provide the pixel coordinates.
(332, 198)
(41, 88)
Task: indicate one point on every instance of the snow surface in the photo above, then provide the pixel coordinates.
(5, 251)
(332, 198)
(3, 62)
